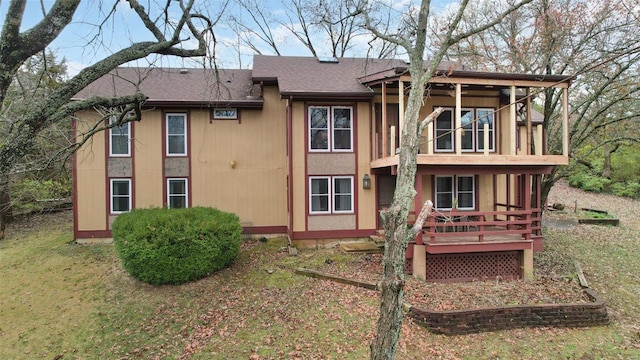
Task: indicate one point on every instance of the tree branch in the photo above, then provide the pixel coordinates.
(429, 119)
(427, 207)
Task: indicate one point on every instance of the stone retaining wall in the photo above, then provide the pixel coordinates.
(458, 322)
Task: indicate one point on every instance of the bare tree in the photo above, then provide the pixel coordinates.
(397, 235)
(324, 28)
(594, 42)
(171, 37)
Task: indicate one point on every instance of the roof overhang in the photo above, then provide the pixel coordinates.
(326, 96)
(240, 104)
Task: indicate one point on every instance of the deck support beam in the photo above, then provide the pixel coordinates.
(458, 120)
(527, 264)
(385, 145)
(419, 262)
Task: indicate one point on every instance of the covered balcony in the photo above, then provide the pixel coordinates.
(479, 108)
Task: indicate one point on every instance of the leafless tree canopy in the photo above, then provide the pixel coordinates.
(594, 42)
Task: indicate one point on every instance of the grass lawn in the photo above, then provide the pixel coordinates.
(59, 300)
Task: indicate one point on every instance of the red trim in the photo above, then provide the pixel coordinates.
(189, 144)
(90, 234)
(332, 234)
(133, 165)
(357, 177)
(252, 230)
(188, 156)
(478, 247)
(107, 179)
(164, 156)
(74, 180)
(485, 169)
(306, 169)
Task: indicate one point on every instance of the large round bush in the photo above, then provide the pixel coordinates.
(173, 246)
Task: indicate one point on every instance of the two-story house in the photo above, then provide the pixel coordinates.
(307, 148)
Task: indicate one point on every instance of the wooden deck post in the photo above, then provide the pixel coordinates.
(527, 264)
(400, 112)
(526, 184)
(528, 152)
(458, 120)
(419, 262)
(385, 145)
(512, 121)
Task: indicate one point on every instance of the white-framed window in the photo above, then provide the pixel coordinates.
(468, 143)
(444, 131)
(177, 193)
(330, 194)
(120, 194)
(455, 191)
(330, 128)
(319, 128)
(176, 140)
(319, 195)
(486, 116)
(225, 113)
(342, 194)
(119, 139)
(472, 123)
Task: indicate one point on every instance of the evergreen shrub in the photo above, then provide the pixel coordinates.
(174, 246)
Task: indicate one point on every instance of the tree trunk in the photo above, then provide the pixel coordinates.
(397, 232)
(6, 210)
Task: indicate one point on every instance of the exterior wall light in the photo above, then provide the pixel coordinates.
(366, 182)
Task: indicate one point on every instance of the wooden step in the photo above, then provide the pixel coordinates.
(360, 247)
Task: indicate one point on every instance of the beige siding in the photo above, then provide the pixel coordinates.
(147, 147)
(299, 181)
(485, 192)
(240, 166)
(367, 212)
(91, 187)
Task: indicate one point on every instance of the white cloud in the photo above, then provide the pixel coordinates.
(74, 67)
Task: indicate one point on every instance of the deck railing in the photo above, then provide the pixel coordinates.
(480, 225)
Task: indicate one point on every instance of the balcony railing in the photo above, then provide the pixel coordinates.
(481, 226)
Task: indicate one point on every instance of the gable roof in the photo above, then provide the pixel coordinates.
(179, 87)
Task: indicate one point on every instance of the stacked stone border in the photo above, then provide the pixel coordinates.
(469, 321)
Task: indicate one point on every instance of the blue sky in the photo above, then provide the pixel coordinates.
(124, 27)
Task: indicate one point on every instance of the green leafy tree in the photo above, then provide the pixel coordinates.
(37, 175)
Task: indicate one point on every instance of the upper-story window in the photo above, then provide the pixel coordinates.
(225, 113)
(119, 136)
(444, 131)
(485, 116)
(472, 124)
(176, 134)
(330, 128)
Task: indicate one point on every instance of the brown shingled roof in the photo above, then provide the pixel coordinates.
(307, 77)
(195, 87)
